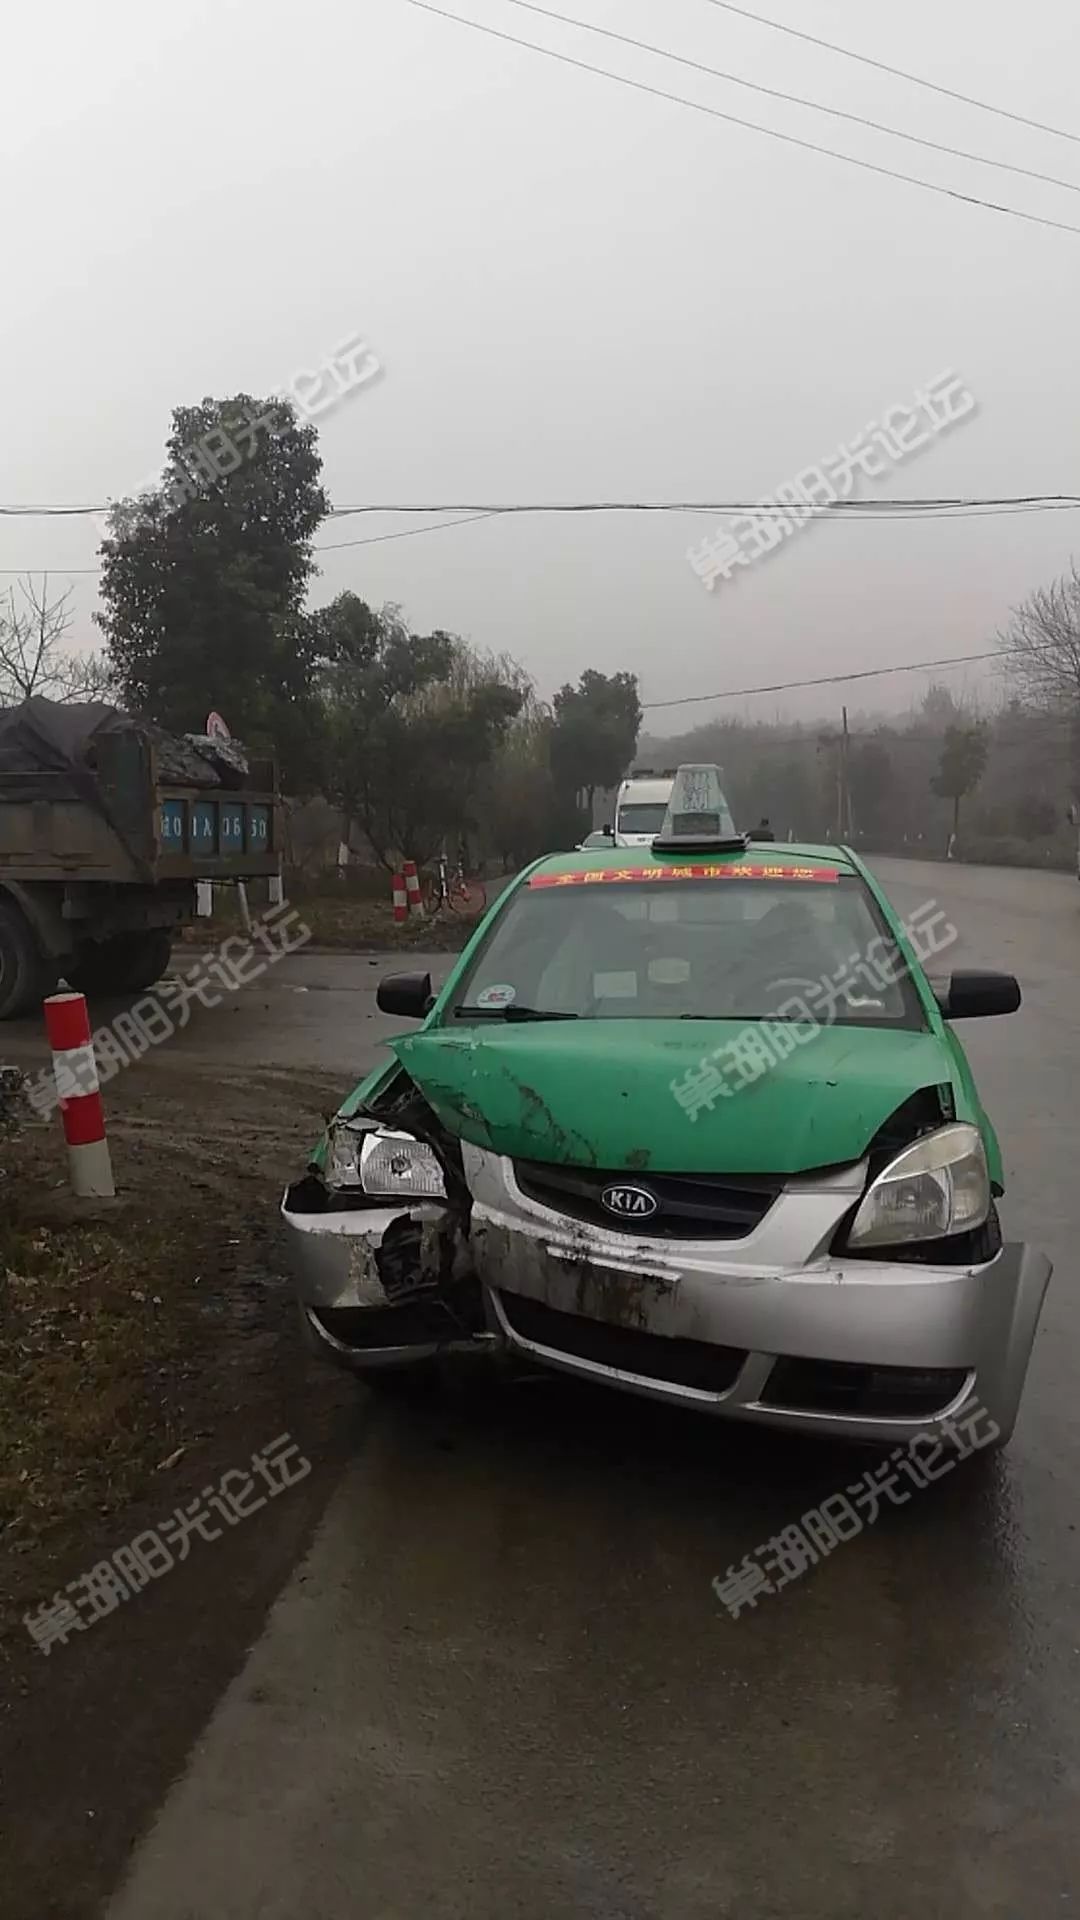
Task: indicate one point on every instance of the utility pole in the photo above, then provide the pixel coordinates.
(847, 827)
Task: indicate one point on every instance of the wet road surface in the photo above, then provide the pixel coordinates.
(500, 1683)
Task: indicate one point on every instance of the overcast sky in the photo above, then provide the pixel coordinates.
(576, 292)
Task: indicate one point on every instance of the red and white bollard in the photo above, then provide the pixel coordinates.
(68, 1026)
(401, 904)
(412, 888)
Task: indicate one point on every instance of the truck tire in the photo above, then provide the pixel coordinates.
(142, 958)
(24, 968)
(90, 971)
(127, 963)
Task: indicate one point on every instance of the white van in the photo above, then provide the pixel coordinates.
(640, 808)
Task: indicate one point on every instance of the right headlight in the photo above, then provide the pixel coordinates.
(939, 1186)
(382, 1163)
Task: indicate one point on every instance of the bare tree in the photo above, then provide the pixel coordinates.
(33, 658)
(1041, 646)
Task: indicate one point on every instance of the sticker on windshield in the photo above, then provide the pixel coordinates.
(500, 996)
(614, 986)
(732, 871)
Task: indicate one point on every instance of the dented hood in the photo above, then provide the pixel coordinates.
(599, 1093)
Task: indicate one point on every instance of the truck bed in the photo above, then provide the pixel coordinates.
(102, 802)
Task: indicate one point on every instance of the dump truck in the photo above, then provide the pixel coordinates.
(107, 824)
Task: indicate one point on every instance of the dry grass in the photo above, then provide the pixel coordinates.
(93, 1321)
(133, 1332)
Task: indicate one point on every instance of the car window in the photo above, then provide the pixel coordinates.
(725, 950)
(642, 816)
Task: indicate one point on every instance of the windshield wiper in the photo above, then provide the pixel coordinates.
(512, 1012)
(749, 1019)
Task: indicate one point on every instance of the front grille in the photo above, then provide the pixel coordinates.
(834, 1386)
(691, 1206)
(414, 1324)
(683, 1363)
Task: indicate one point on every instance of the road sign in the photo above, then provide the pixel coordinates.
(216, 728)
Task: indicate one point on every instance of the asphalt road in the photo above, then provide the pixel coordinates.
(500, 1682)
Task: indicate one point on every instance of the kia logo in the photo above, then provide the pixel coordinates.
(629, 1203)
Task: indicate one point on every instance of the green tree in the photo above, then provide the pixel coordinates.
(203, 581)
(528, 812)
(413, 722)
(963, 760)
(595, 732)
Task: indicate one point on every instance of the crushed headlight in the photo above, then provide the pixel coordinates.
(382, 1163)
(937, 1187)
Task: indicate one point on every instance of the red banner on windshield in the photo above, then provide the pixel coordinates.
(729, 871)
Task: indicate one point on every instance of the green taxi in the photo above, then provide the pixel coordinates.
(696, 1126)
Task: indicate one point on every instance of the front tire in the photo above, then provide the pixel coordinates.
(24, 968)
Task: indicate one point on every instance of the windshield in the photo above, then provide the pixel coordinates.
(707, 949)
(641, 816)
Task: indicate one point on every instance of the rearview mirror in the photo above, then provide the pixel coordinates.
(970, 996)
(408, 995)
(610, 831)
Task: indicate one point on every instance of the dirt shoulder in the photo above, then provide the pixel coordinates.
(353, 924)
(146, 1351)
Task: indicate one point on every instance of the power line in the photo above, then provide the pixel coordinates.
(839, 509)
(840, 679)
(51, 568)
(794, 99)
(753, 126)
(879, 510)
(406, 533)
(327, 546)
(898, 73)
(928, 505)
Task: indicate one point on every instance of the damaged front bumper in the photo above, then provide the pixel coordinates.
(381, 1285)
(770, 1328)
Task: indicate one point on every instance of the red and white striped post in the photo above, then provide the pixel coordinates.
(412, 888)
(401, 904)
(68, 1025)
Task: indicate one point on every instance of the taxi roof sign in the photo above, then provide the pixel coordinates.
(698, 816)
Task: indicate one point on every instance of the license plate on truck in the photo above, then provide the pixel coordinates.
(218, 828)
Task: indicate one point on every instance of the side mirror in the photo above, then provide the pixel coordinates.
(1074, 814)
(971, 996)
(408, 995)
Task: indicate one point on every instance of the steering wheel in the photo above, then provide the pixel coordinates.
(791, 986)
(808, 990)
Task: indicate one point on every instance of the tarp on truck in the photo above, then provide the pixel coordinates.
(47, 738)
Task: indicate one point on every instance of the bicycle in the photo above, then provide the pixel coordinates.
(453, 890)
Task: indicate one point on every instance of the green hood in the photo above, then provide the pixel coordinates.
(598, 1093)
